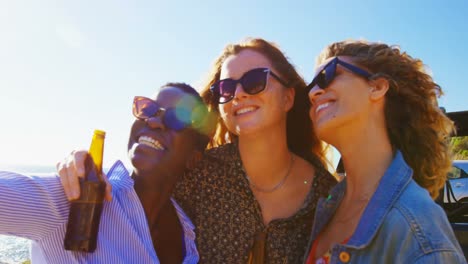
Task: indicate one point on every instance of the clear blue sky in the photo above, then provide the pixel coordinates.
(67, 67)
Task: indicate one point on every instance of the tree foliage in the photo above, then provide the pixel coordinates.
(459, 148)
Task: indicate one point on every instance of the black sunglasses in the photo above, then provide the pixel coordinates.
(328, 73)
(253, 82)
(176, 118)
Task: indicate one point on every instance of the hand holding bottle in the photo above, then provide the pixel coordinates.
(85, 212)
(72, 169)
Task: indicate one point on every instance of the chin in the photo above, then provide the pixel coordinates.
(255, 126)
(142, 162)
(325, 128)
(143, 165)
(242, 131)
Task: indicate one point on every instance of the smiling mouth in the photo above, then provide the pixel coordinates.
(245, 110)
(152, 143)
(322, 106)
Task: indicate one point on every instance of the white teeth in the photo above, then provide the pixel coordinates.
(322, 106)
(147, 141)
(245, 110)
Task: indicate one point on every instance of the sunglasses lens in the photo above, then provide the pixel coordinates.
(226, 89)
(177, 118)
(326, 76)
(144, 108)
(330, 73)
(321, 80)
(254, 81)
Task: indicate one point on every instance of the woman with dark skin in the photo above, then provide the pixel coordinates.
(160, 155)
(169, 133)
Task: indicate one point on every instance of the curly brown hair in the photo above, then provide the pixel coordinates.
(301, 137)
(415, 124)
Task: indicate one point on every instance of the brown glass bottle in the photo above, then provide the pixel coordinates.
(85, 212)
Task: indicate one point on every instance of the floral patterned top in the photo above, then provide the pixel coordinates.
(217, 197)
(325, 258)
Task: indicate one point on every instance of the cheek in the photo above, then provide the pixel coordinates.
(285, 101)
(289, 99)
(183, 145)
(224, 110)
(274, 93)
(137, 126)
(357, 99)
(279, 100)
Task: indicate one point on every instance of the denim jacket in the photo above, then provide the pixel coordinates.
(401, 224)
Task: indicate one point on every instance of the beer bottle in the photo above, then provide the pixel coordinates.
(85, 212)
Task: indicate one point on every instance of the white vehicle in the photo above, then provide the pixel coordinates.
(458, 178)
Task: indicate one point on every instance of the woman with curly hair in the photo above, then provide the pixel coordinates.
(378, 107)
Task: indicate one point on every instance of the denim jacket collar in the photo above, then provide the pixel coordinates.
(392, 184)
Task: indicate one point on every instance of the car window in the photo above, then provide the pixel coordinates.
(458, 171)
(463, 173)
(454, 173)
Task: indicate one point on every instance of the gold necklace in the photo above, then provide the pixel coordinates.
(278, 185)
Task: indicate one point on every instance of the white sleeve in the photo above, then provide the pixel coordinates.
(31, 206)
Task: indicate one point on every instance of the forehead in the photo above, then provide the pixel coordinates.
(170, 97)
(236, 65)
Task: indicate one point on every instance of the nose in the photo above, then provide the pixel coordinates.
(239, 92)
(315, 92)
(156, 121)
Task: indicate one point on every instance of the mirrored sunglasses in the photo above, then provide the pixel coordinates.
(176, 118)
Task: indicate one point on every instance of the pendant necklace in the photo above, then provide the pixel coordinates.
(279, 184)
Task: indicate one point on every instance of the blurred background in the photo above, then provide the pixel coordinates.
(68, 67)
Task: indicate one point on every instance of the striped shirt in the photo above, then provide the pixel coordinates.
(36, 208)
